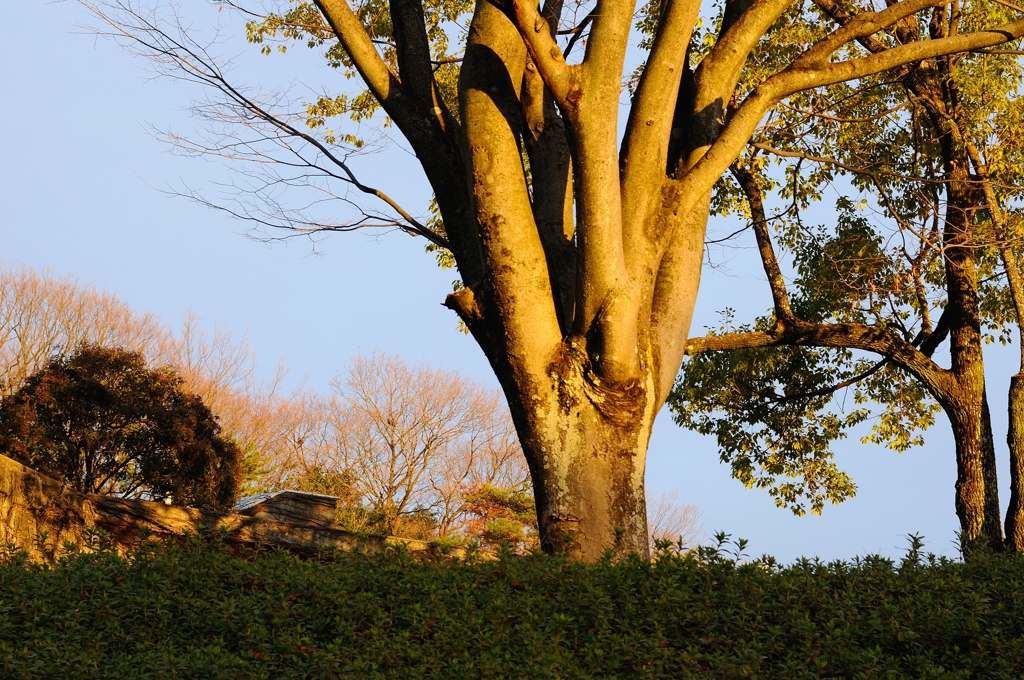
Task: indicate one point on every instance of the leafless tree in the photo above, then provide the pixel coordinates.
(487, 453)
(668, 519)
(415, 438)
(42, 315)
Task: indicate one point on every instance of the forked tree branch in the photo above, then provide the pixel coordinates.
(561, 78)
(384, 84)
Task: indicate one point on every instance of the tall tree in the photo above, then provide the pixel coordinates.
(579, 256)
(910, 141)
(416, 439)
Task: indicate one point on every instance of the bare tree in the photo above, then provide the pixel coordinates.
(416, 438)
(223, 370)
(409, 441)
(670, 520)
(42, 315)
(488, 453)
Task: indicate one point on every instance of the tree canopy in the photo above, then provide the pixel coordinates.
(927, 256)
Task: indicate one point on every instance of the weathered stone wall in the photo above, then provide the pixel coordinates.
(39, 514)
(33, 505)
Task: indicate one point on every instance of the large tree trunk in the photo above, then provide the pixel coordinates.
(977, 504)
(977, 499)
(590, 493)
(587, 448)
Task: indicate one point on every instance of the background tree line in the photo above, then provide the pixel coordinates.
(412, 451)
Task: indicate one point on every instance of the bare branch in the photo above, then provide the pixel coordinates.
(276, 139)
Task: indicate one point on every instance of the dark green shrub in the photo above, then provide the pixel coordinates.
(200, 609)
(103, 422)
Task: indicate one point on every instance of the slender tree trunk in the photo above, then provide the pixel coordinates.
(992, 527)
(1015, 439)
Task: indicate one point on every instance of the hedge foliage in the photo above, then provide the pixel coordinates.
(200, 609)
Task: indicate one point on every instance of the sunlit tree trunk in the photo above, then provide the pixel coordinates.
(1015, 282)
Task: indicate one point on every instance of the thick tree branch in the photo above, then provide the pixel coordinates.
(384, 84)
(524, 314)
(586, 93)
(842, 335)
(716, 78)
(547, 147)
(608, 301)
(561, 78)
(645, 145)
(415, 66)
(606, 46)
(863, 25)
(674, 294)
(1005, 247)
(932, 339)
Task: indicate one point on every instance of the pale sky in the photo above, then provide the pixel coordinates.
(79, 191)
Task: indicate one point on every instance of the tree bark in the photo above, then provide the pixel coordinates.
(993, 517)
(1015, 428)
(976, 497)
(586, 443)
(1015, 440)
(968, 408)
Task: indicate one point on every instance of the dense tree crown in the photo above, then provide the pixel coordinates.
(104, 423)
(579, 248)
(928, 257)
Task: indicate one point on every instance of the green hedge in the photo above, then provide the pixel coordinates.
(199, 609)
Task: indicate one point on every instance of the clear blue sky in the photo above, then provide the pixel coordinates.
(79, 194)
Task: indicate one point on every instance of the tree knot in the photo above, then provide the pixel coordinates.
(619, 402)
(464, 303)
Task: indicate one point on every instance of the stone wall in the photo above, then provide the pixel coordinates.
(33, 506)
(39, 514)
